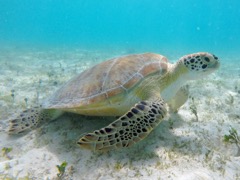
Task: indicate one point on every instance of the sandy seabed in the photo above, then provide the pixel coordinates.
(182, 147)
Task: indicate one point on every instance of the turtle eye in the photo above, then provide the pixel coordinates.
(207, 59)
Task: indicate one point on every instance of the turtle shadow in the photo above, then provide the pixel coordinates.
(59, 138)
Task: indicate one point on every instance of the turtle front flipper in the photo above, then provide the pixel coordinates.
(179, 99)
(127, 130)
(31, 119)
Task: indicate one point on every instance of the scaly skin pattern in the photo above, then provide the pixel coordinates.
(129, 129)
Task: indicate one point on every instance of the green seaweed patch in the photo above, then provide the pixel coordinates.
(233, 137)
(61, 169)
(6, 151)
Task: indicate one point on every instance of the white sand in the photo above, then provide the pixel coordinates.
(181, 148)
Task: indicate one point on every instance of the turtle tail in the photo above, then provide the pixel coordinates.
(31, 119)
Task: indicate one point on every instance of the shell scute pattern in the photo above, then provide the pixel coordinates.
(107, 79)
(136, 78)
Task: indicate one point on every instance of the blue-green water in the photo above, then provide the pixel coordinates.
(149, 25)
(44, 43)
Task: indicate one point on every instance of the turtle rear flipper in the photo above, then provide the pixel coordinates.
(31, 119)
(127, 130)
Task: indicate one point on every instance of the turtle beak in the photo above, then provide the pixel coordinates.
(214, 65)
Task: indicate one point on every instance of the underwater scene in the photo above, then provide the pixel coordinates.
(119, 89)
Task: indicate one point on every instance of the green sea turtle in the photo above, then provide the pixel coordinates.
(138, 88)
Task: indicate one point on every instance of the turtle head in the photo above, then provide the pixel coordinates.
(198, 65)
